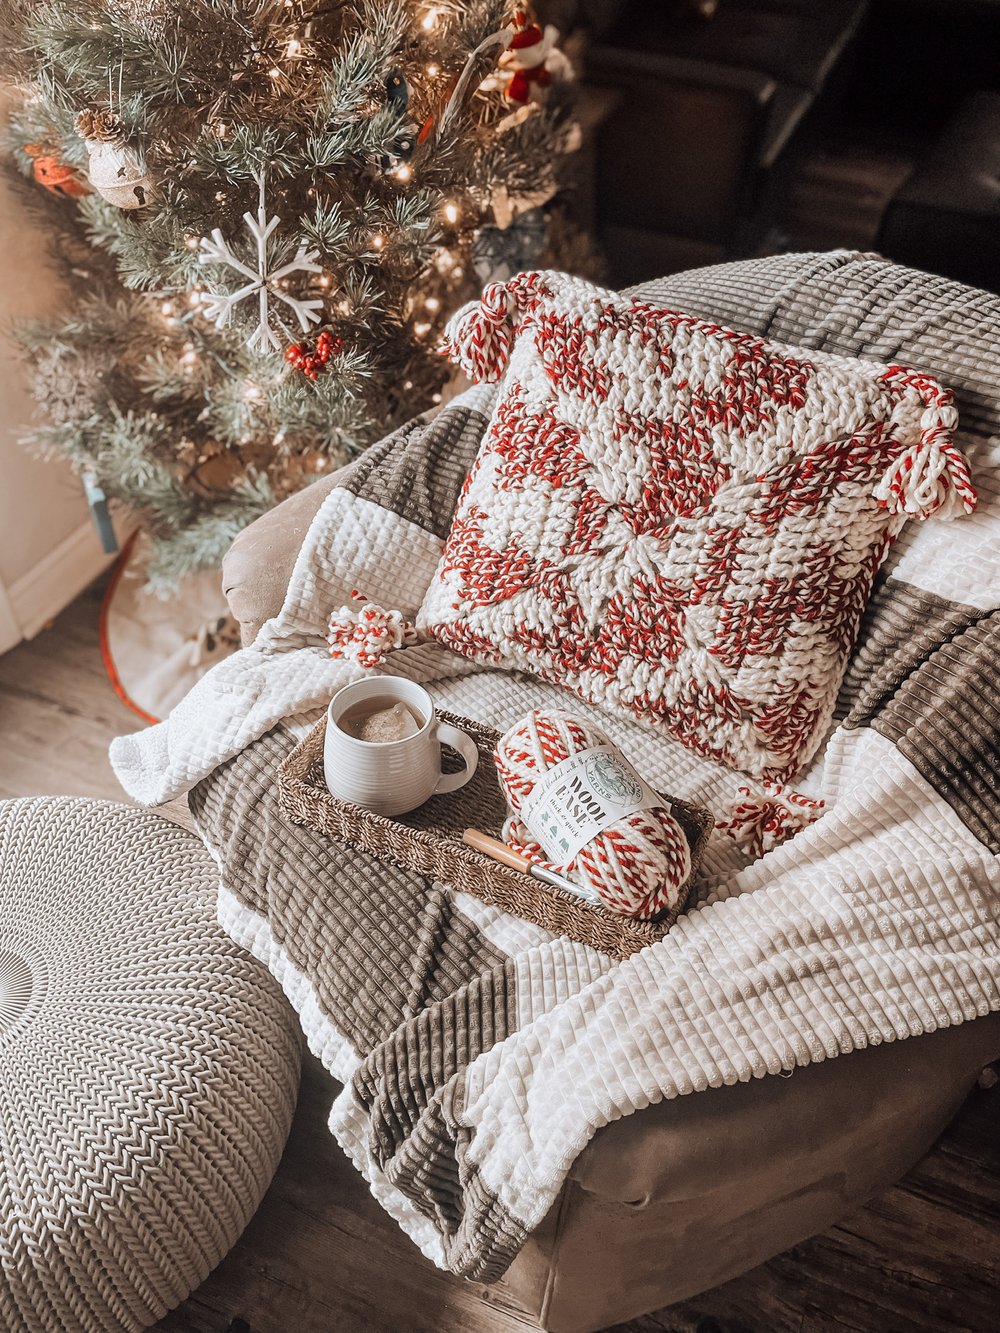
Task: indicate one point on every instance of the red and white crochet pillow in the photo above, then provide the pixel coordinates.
(679, 521)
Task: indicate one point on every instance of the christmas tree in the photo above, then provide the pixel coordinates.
(269, 209)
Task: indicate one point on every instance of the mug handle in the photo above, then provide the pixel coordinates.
(458, 740)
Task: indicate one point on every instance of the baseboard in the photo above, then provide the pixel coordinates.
(10, 633)
(42, 593)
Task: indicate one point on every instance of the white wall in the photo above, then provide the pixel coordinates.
(48, 549)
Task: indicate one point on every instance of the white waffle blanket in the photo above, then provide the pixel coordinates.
(880, 921)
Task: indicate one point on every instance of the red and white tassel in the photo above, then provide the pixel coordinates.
(931, 476)
(761, 820)
(480, 336)
(638, 866)
(367, 632)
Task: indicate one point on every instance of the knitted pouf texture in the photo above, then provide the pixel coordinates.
(148, 1069)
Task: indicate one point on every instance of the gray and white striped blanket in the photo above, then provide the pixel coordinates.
(478, 1055)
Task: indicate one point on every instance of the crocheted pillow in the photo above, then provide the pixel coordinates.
(677, 520)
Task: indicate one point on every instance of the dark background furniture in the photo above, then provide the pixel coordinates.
(708, 107)
(946, 217)
(786, 124)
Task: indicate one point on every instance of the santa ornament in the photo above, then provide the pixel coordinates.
(532, 60)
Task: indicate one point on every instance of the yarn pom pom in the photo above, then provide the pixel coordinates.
(761, 820)
(479, 337)
(637, 866)
(367, 632)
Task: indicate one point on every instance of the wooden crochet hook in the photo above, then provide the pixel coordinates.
(499, 851)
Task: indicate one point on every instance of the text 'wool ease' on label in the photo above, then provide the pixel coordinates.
(582, 796)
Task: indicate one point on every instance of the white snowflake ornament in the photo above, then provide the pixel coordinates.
(264, 282)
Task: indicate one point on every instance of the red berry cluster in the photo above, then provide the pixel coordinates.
(309, 362)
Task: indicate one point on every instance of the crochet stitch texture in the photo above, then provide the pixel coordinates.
(677, 520)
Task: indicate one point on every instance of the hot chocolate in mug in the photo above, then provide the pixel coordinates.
(391, 777)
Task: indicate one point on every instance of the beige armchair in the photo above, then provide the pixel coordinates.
(690, 1193)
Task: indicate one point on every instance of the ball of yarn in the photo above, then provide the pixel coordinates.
(637, 866)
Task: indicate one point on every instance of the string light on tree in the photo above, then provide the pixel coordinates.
(382, 150)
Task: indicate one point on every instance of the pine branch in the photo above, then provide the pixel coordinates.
(328, 230)
(325, 100)
(90, 44)
(204, 540)
(244, 152)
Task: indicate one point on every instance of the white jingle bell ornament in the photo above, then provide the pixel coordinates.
(115, 170)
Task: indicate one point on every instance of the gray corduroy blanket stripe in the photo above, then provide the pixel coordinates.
(479, 1054)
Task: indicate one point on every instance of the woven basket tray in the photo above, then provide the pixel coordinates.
(429, 841)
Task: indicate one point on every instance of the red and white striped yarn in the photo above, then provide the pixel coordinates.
(638, 866)
(479, 337)
(678, 521)
(761, 820)
(367, 632)
(931, 476)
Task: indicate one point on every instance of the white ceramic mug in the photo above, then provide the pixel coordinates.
(392, 777)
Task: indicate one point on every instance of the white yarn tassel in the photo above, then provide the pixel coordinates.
(479, 337)
(762, 819)
(366, 632)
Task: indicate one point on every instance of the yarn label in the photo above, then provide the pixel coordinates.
(580, 797)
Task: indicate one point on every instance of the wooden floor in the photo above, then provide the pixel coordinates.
(321, 1257)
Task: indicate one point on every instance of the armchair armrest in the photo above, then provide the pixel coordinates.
(886, 1103)
(257, 567)
(687, 1194)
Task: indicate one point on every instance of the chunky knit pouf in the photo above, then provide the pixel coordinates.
(148, 1069)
